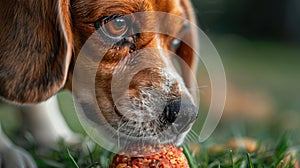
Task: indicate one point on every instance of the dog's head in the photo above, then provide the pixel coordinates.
(138, 91)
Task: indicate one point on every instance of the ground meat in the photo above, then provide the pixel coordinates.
(150, 156)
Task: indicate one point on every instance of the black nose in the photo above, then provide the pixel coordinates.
(171, 111)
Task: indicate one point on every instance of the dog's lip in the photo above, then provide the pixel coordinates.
(176, 139)
(178, 134)
(174, 135)
(186, 127)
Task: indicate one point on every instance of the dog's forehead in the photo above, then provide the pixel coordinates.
(170, 6)
(96, 8)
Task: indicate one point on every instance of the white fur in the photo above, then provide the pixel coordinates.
(47, 123)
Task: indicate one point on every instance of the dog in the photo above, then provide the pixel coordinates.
(40, 44)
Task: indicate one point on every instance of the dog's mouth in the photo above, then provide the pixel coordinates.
(151, 132)
(168, 125)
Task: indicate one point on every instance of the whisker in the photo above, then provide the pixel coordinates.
(118, 132)
(124, 122)
(188, 139)
(132, 131)
(192, 137)
(157, 132)
(141, 133)
(144, 135)
(160, 131)
(195, 135)
(198, 87)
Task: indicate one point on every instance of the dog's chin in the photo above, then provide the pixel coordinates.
(123, 136)
(167, 136)
(175, 138)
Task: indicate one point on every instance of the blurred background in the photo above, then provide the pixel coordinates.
(259, 44)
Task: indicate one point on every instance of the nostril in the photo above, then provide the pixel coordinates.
(171, 111)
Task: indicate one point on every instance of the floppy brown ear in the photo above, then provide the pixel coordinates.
(35, 48)
(189, 46)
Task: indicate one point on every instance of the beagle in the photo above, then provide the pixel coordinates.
(41, 43)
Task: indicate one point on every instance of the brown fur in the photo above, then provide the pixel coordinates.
(33, 50)
(37, 36)
(84, 13)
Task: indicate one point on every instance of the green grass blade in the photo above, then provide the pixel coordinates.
(231, 158)
(250, 163)
(189, 157)
(72, 159)
(94, 164)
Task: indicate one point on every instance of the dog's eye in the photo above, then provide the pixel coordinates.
(175, 43)
(114, 26)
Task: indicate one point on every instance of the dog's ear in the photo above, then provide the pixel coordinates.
(35, 49)
(189, 45)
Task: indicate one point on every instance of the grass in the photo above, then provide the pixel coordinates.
(271, 155)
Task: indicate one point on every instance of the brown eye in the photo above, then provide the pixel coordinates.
(114, 27)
